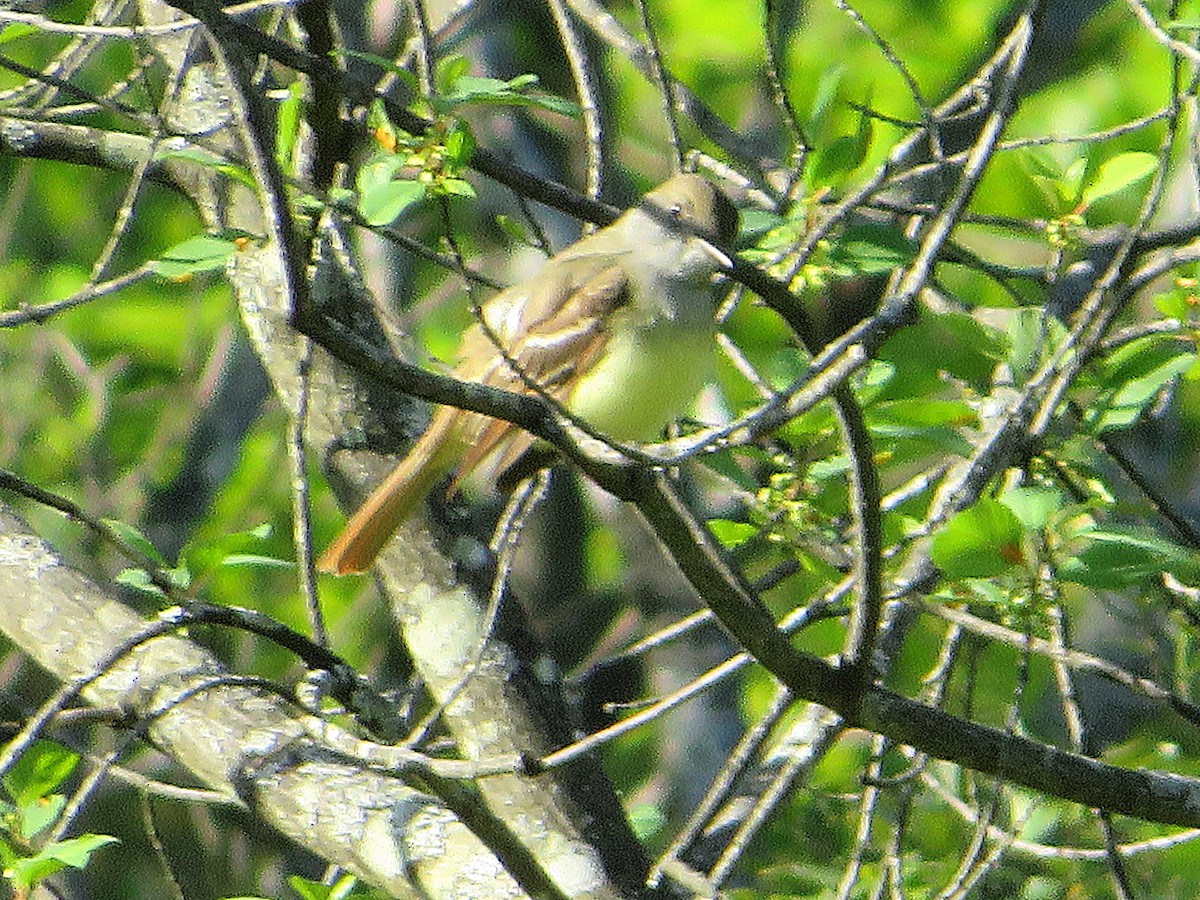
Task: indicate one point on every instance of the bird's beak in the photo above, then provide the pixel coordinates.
(718, 255)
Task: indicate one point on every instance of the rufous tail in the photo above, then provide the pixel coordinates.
(393, 501)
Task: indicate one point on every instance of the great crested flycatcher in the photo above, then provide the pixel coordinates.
(618, 328)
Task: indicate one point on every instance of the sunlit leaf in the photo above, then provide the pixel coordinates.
(982, 541)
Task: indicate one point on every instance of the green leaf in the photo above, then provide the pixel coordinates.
(382, 205)
(256, 561)
(13, 31)
(838, 158)
(343, 889)
(872, 249)
(28, 871)
(38, 771)
(1071, 182)
(845, 153)
(202, 253)
(824, 97)
(980, 542)
(514, 229)
(732, 534)
(1119, 173)
(384, 63)
(1119, 557)
(379, 170)
(138, 580)
(74, 852)
(966, 349)
(39, 815)
(473, 86)
(1059, 186)
(135, 539)
(1032, 334)
(921, 412)
(831, 467)
(756, 223)
(449, 71)
(1033, 505)
(309, 890)
(471, 89)
(456, 187)
(647, 821)
(459, 145)
(1127, 404)
(1174, 305)
(209, 161)
(287, 126)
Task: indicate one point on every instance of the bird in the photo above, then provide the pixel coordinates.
(618, 327)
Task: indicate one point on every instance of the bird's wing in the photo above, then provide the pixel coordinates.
(548, 348)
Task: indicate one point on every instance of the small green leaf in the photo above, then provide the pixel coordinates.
(450, 70)
(13, 31)
(73, 852)
(343, 889)
(647, 821)
(382, 205)
(135, 539)
(473, 86)
(732, 534)
(1071, 183)
(1127, 404)
(377, 118)
(457, 187)
(523, 81)
(923, 412)
(1174, 305)
(1061, 187)
(514, 229)
(287, 126)
(76, 852)
(39, 815)
(1032, 334)
(755, 223)
(384, 63)
(473, 89)
(38, 771)
(202, 253)
(872, 249)
(379, 170)
(254, 560)
(838, 158)
(29, 870)
(1033, 505)
(210, 161)
(460, 145)
(824, 97)
(831, 467)
(980, 542)
(1117, 558)
(845, 153)
(1117, 174)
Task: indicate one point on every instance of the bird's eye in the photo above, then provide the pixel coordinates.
(676, 212)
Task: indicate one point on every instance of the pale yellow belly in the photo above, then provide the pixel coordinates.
(644, 383)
